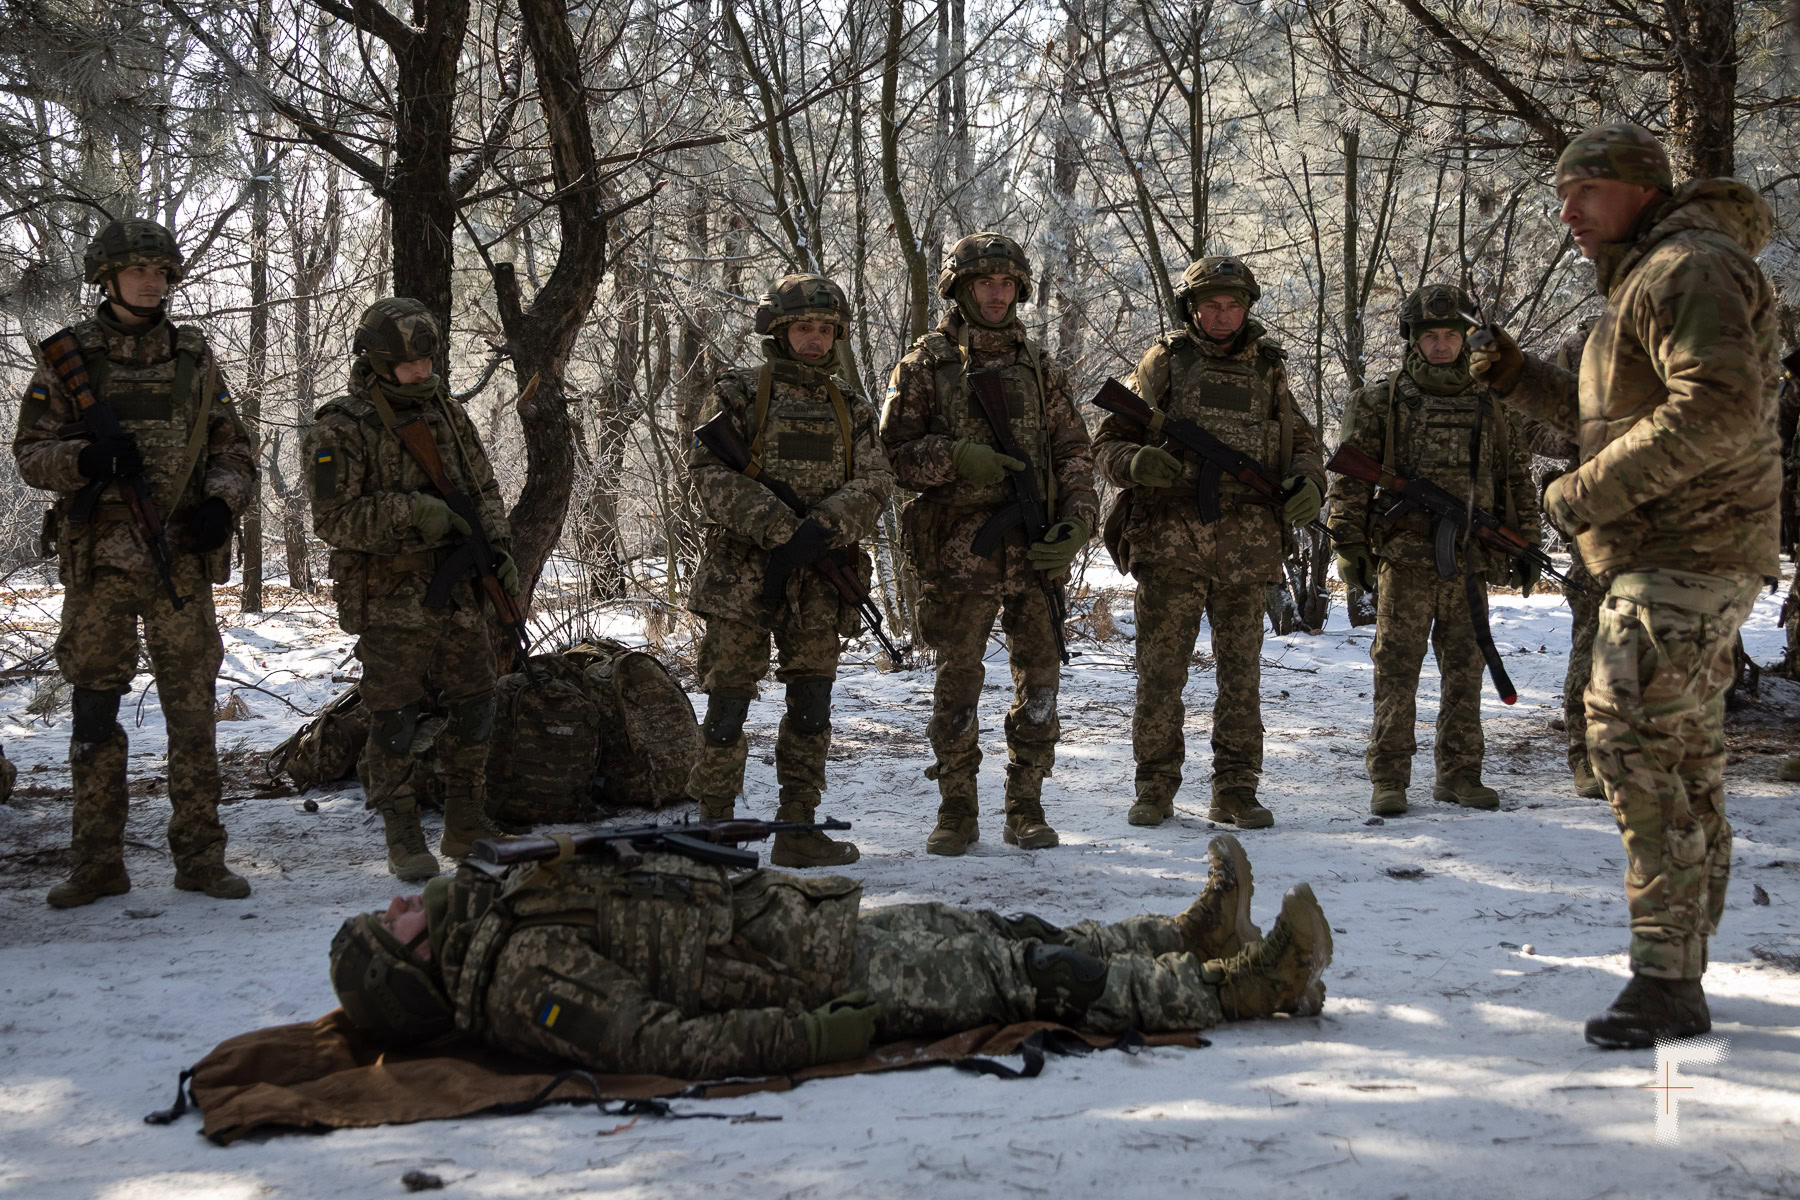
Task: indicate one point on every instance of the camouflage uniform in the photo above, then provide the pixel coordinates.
(806, 431)
(675, 967)
(165, 385)
(930, 412)
(364, 488)
(1419, 421)
(1675, 509)
(1186, 569)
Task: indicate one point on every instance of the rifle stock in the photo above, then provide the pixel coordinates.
(708, 841)
(63, 353)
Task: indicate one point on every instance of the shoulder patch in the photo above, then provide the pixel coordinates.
(34, 404)
(324, 472)
(224, 396)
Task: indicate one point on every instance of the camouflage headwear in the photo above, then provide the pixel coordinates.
(1213, 275)
(1435, 306)
(985, 254)
(1623, 151)
(396, 330)
(383, 988)
(802, 298)
(132, 243)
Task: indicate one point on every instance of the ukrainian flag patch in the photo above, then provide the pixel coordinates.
(548, 1014)
(224, 395)
(324, 472)
(34, 406)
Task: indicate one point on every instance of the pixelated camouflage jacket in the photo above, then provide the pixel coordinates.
(143, 362)
(362, 482)
(1162, 525)
(801, 445)
(1674, 406)
(671, 967)
(1432, 438)
(918, 430)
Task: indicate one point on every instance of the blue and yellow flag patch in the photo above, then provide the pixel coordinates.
(548, 1014)
(324, 473)
(225, 395)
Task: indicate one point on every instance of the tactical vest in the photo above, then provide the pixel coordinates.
(801, 430)
(1429, 436)
(1022, 383)
(160, 405)
(1230, 398)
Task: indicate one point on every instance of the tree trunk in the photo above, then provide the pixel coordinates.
(257, 385)
(1703, 74)
(918, 308)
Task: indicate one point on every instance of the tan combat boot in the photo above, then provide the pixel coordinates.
(214, 878)
(1217, 924)
(88, 882)
(466, 822)
(1025, 825)
(1389, 800)
(1238, 806)
(1467, 790)
(802, 850)
(409, 859)
(1281, 973)
(1587, 784)
(958, 826)
(1149, 810)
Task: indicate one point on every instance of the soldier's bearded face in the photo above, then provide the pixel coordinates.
(994, 294)
(1598, 211)
(141, 285)
(416, 371)
(1440, 346)
(811, 341)
(405, 919)
(1220, 317)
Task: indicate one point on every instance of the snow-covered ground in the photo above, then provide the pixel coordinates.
(1449, 1060)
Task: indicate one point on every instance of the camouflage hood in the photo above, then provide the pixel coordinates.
(1722, 206)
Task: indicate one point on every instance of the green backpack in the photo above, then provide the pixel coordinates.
(544, 755)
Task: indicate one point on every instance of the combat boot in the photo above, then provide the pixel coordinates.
(1025, 825)
(88, 882)
(1151, 811)
(466, 822)
(958, 822)
(1648, 1010)
(1790, 769)
(1281, 973)
(1217, 924)
(1587, 784)
(409, 859)
(1238, 806)
(214, 878)
(1467, 790)
(714, 809)
(802, 850)
(1389, 800)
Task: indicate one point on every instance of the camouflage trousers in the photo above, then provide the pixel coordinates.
(96, 649)
(734, 658)
(935, 970)
(1584, 618)
(1170, 603)
(407, 656)
(956, 627)
(1413, 609)
(1656, 715)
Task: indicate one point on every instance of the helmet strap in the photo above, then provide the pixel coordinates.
(143, 312)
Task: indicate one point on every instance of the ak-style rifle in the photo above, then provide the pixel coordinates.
(705, 841)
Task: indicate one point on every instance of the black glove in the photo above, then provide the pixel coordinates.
(110, 457)
(208, 527)
(809, 543)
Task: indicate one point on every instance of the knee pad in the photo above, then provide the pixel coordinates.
(472, 720)
(1026, 927)
(392, 728)
(1067, 981)
(95, 713)
(725, 713)
(809, 704)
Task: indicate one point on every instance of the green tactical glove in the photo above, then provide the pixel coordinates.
(980, 463)
(434, 520)
(1557, 509)
(1062, 542)
(1155, 467)
(1525, 575)
(507, 572)
(1355, 565)
(1495, 359)
(1304, 500)
(841, 1028)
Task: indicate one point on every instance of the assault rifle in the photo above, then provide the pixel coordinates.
(721, 438)
(704, 841)
(1027, 509)
(63, 353)
(1216, 458)
(475, 553)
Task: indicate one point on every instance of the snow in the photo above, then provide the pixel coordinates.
(1448, 1061)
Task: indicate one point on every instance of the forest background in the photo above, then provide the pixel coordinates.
(594, 196)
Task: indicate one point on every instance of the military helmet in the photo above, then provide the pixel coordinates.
(1435, 306)
(802, 298)
(383, 988)
(1623, 151)
(396, 330)
(1218, 273)
(984, 254)
(131, 243)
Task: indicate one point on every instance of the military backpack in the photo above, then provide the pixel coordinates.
(325, 749)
